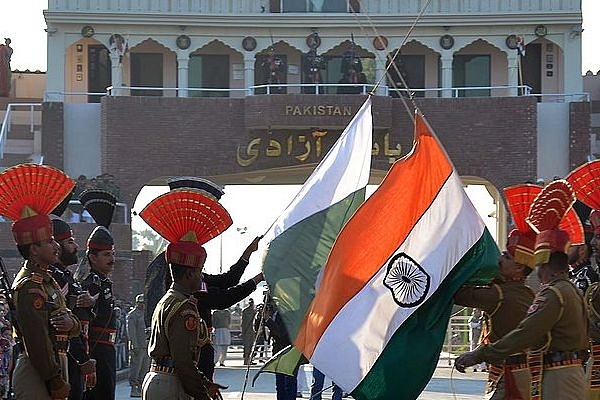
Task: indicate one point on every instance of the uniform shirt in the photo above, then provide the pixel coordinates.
(559, 319)
(504, 303)
(583, 277)
(136, 328)
(177, 335)
(105, 319)
(37, 298)
(70, 288)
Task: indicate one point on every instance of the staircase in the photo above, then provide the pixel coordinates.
(20, 132)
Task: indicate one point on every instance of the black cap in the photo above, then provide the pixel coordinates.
(62, 207)
(191, 182)
(100, 239)
(61, 230)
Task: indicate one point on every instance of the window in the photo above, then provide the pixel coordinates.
(315, 6)
(469, 71)
(412, 69)
(208, 71)
(147, 71)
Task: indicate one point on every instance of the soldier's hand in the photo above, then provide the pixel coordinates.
(84, 300)
(59, 389)
(465, 360)
(62, 322)
(252, 247)
(258, 278)
(214, 391)
(88, 369)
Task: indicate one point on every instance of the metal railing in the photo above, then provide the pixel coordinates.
(318, 88)
(7, 121)
(457, 337)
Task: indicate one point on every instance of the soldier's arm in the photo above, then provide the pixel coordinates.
(219, 299)
(86, 318)
(233, 276)
(531, 331)
(33, 323)
(182, 335)
(485, 298)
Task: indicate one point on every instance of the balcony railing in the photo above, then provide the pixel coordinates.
(237, 7)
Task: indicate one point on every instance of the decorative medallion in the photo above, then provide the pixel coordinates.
(540, 31)
(183, 42)
(380, 42)
(313, 41)
(249, 43)
(512, 42)
(407, 280)
(446, 42)
(87, 31)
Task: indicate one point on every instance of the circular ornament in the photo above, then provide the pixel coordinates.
(541, 31)
(407, 280)
(87, 31)
(380, 42)
(313, 40)
(183, 42)
(446, 42)
(512, 42)
(249, 43)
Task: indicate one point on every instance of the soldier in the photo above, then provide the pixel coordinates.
(103, 326)
(218, 291)
(139, 362)
(506, 300)
(248, 333)
(555, 326)
(44, 322)
(82, 368)
(177, 331)
(584, 272)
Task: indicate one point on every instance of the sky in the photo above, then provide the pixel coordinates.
(23, 22)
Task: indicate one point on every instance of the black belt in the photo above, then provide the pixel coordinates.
(558, 358)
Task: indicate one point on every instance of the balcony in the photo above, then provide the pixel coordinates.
(238, 7)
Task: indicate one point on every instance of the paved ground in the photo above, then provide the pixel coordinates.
(444, 385)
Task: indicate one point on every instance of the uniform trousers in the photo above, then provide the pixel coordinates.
(161, 386)
(522, 379)
(566, 382)
(139, 365)
(75, 380)
(27, 382)
(106, 372)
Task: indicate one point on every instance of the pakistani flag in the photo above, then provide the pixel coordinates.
(300, 239)
(378, 320)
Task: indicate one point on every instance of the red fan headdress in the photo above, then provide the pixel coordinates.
(545, 216)
(585, 181)
(186, 218)
(28, 193)
(521, 240)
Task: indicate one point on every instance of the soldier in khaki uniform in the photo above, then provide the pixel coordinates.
(555, 329)
(187, 219)
(45, 324)
(139, 363)
(506, 300)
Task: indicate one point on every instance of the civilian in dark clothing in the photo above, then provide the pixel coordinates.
(285, 385)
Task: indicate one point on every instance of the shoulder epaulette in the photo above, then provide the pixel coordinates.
(34, 277)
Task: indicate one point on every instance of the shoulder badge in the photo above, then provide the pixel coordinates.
(38, 298)
(191, 323)
(191, 319)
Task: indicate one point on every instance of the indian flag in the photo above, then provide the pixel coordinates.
(378, 320)
(299, 241)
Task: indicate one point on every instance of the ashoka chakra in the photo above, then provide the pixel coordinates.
(406, 279)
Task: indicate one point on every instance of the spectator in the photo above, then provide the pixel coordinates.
(248, 334)
(222, 339)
